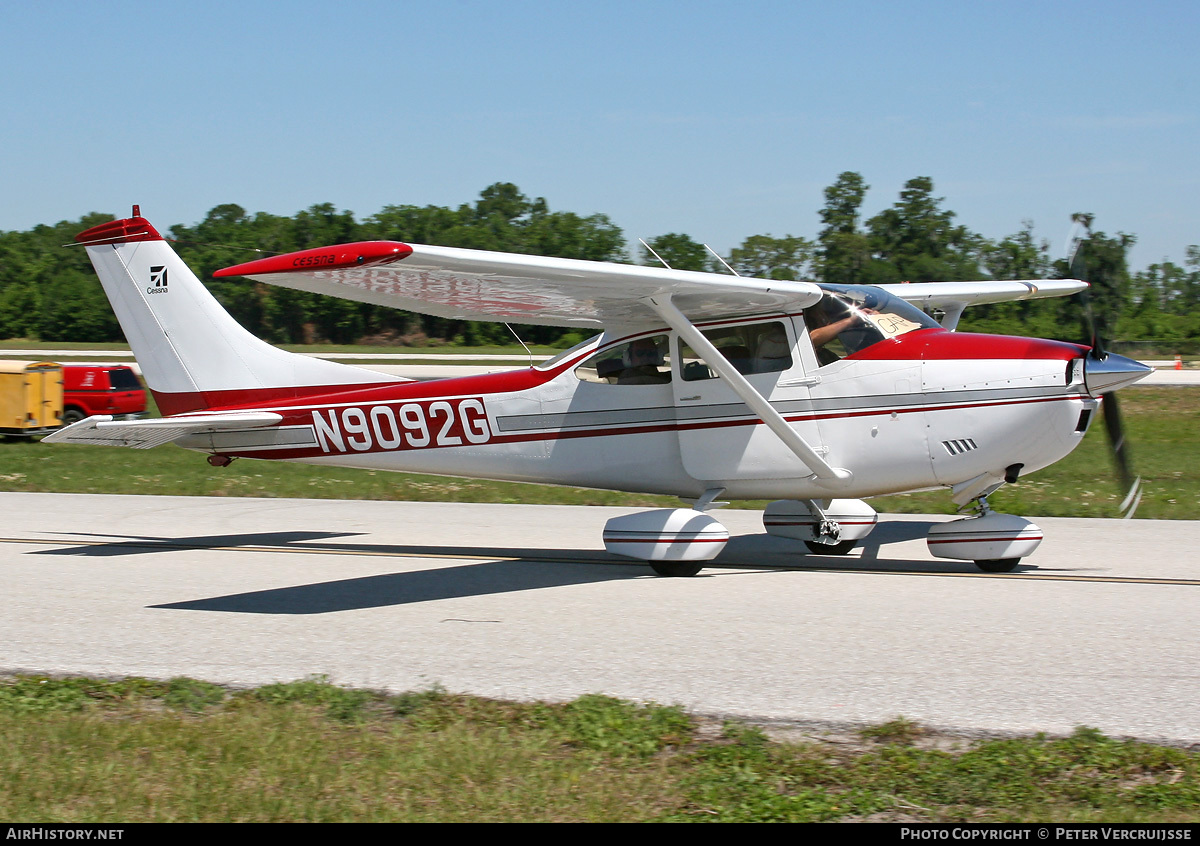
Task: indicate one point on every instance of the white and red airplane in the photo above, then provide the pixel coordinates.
(700, 386)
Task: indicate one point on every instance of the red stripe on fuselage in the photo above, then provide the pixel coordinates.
(505, 381)
(383, 392)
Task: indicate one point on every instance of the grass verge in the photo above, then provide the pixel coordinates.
(134, 750)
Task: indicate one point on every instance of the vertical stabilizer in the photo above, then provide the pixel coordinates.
(193, 355)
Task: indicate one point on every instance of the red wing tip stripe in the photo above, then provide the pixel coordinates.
(360, 254)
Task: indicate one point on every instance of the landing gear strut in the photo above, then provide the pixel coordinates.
(827, 527)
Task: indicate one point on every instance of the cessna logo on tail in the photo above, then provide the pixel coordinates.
(158, 279)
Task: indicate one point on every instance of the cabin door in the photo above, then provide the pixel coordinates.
(720, 438)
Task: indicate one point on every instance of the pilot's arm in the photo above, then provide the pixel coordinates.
(822, 335)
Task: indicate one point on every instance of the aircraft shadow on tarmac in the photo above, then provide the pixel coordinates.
(392, 589)
(142, 544)
(515, 569)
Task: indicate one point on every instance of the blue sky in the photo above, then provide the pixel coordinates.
(721, 120)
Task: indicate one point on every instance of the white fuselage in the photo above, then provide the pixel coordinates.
(926, 409)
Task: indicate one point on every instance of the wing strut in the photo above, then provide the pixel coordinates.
(823, 473)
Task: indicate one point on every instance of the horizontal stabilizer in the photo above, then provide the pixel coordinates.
(102, 430)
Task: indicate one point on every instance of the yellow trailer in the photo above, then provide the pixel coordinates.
(31, 397)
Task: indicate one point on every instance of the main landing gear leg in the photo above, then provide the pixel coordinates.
(828, 540)
(826, 526)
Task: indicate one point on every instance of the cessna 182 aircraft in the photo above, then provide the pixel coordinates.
(700, 386)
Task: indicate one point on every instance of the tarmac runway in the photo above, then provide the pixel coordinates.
(1099, 628)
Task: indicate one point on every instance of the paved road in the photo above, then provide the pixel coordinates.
(520, 601)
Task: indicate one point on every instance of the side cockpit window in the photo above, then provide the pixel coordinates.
(642, 361)
(850, 318)
(752, 348)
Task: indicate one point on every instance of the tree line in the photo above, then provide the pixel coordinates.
(50, 293)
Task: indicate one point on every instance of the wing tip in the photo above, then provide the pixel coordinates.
(338, 257)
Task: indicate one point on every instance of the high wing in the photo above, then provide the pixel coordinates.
(479, 285)
(102, 430)
(953, 297)
(942, 294)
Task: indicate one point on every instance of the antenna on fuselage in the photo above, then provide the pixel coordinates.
(650, 250)
(721, 260)
(522, 343)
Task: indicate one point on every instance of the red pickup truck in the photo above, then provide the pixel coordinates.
(109, 389)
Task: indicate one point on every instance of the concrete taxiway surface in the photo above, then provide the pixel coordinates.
(522, 602)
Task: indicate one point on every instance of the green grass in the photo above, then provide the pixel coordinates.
(169, 470)
(135, 750)
(1163, 429)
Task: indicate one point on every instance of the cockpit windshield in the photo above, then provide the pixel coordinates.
(850, 318)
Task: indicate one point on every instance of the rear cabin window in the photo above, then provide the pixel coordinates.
(642, 361)
(754, 348)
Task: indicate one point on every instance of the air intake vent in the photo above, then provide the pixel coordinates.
(960, 446)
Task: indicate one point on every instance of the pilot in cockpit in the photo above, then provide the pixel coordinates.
(645, 359)
(773, 353)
